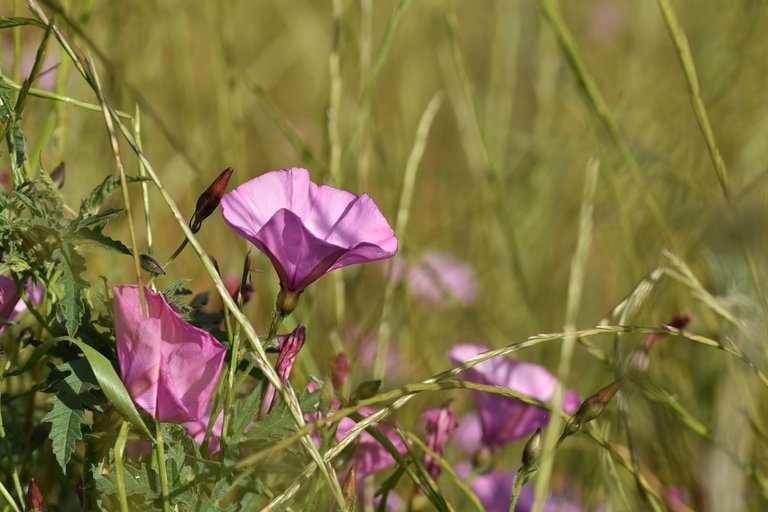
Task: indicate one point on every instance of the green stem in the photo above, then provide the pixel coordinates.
(160, 450)
(519, 481)
(119, 448)
(7, 449)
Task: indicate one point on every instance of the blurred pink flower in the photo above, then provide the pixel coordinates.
(307, 230)
(468, 435)
(366, 354)
(440, 278)
(290, 345)
(10, 299)
(46, 77)
(505, 419)
(494, 490)
(439, 425)
(168, 366)
(197, 429)
(369, 456)
(607, 20)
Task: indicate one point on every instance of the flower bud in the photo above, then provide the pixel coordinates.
(290, 346)
(439, 425)
(365, 390)
(57, 175)
(210, 199)
(339, 370)
(151, 265)
(532, 452)
(349, 488)
(35, 501)
(591, 408)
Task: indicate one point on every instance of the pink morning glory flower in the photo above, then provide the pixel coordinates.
(10, 299)
(197, 429)
(494, 490)
(307, 230)
(168, 366)
(440, 279)
(369, 456)
(505, 419)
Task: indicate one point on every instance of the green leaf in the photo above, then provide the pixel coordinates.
(17, 142)
(96, 237)
(68, 413)
(71, 265)
(113, 387)
(244, 413)
(11, 21)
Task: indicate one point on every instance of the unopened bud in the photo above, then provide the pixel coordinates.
(210, 199)
(57, 175)
(289, 349)
(591, 408)
(349, 488)
(35, 501)
(532, 452)
(151, 265)
(339, 370)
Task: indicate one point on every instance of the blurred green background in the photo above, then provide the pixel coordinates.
(251, 85)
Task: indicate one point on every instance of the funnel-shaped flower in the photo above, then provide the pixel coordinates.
(10, 300)
(168, 366)
(504, 419)
(307, 230)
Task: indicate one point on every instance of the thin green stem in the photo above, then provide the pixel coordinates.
(6, 446)
(160, 449)
(519, 481)
(144, 186)
(575, 287)
(119, 470)
(401, 228)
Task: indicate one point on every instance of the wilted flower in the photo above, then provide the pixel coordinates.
(290, 345)
(168, 366)
(10, 300)
(307, 230)
(198, 428)
(439, 425)
(505, 419)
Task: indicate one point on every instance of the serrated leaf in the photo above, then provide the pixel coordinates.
(17, 142)
(71, 265)
(279, 421)
(67, 415)
(96, 237)
(244, 413)
(113, 387)
(100, 218)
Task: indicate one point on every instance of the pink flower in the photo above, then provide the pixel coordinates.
(505, 419)
(441, 278)
(369, 456)
(440, 424)
(307, 230)
(10, 299)
(197, 429)
(290, 346)
(169, 366)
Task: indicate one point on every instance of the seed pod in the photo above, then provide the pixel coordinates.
(532, 452)
(151, 265)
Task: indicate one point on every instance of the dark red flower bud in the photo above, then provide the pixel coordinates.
(339, 370)
(591, 408)
(58, 173)
(210, 199)
(35, 501)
